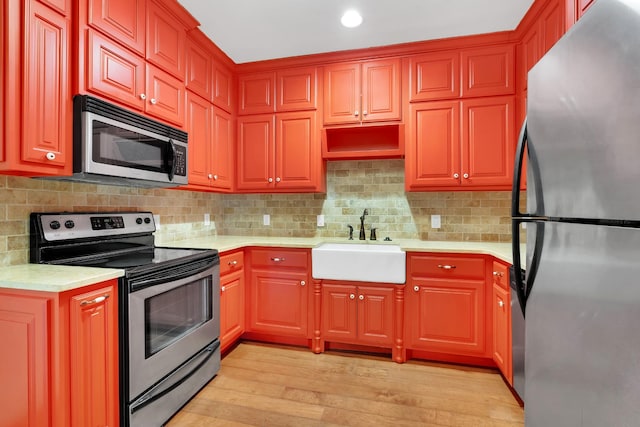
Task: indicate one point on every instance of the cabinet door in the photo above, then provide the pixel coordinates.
(501, 308)
(257, 93)
(114, 72)
(222, 150)
(166, 96)
(198, 75)
(551, 25)
(433, 149)
(47, 117)
(231, 308)
(488, 141)
(166, 39)
(122, 20)
(375, 315)
(199, 115)
(339, 313)
(381, 90)
(296, 89)
(94, 357)
(297, 151)
(434, 76)
(488, 71)
(24, 362)
(342, 93)
(222, 87)
(531, 49)
(279, 301)
(255, 152)
(446, 316)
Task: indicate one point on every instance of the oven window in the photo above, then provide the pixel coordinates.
(175, 313)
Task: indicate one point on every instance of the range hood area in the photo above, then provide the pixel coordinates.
(384, 141)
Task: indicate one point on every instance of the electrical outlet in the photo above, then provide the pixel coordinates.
(207, 219)
(435, 221)
(320, 220)
(266, 219)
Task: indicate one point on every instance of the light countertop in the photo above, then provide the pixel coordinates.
(59, 278)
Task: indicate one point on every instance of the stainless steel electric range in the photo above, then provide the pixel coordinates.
(168, 305)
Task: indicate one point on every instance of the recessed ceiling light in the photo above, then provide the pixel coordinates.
(351, 18)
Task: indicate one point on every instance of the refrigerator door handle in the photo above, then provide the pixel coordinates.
(517, 268)
(517, 171)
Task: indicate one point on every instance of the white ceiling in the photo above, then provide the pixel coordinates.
(254, 30)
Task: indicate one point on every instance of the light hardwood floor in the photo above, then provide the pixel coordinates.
(270, 385)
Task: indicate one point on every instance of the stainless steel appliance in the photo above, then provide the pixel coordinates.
(168, 305)
(112, 145)
(581, 295)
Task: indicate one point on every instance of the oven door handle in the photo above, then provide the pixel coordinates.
(160, 390)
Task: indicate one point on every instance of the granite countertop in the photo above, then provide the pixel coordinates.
(59, 278)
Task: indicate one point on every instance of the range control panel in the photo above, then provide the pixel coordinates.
(66, 226)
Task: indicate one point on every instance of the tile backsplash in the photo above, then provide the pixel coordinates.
(352, 186)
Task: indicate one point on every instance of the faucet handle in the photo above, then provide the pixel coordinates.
(350, 231)
(373, 234)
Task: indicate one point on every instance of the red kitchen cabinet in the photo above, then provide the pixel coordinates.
(445, 305)
(279, 152)
(457, 145)
(279, 296)
(198, 75)
(123, 20)
(359, 92)
(296, 89)
(434, 76)
(63, 365)
(37, 116)
(552, 25)
(488, 71)
(358, 314)
(222, 150)
(257, 93)
(166, 96)
(232, 298)
(222, 87)
(501, 308)
(165, 40)
(530, 53)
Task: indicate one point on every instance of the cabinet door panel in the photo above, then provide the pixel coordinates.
(47, 120)
(297, 150)
(165, 41)
(94, 360)
(552, 25)
(257, 93)
(63, 7)
(222, 154)
(122, 20)
(25, 367)
(381, 90)
(255, 152)
(198, 69)
(501, 307)
(199, 129)
(222, 87)
(114, 72)
(488, 71)
(166, 96)
(296, 89)
(531, 52)
(342, 93)
(231, 307)
(434, 76)
(433, 151)
(339, 313)
(375, 315)
(488, 141)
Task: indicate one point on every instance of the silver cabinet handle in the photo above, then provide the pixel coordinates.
(416, 288)
(276, 259)
(446, 266)
(143, 96)
(456, 175)
(94, 301)
(352, 296)
(153, 101)
(500, 303)
(498, 273)
(51, 156)
(465, 176)
(302, 283)
(233, 263)
(361, 297)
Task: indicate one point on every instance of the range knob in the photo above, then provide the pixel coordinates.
(147, 220)
(138, 221)
(69, 223)
(54, 225)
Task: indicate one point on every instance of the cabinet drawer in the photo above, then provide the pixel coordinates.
(282, 258)
(500, 273)
(447, 266)
(230, 262)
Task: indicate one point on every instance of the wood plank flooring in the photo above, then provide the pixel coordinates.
(269, 385)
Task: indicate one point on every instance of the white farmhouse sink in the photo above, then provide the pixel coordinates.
(359, 262)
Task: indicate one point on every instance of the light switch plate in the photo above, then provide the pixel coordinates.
(207, 219)
(435, 221)
(320, 220)
(266, 219)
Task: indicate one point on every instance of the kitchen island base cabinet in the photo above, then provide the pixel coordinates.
(62, 369)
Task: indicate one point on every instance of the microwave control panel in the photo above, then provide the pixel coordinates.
(181, 160)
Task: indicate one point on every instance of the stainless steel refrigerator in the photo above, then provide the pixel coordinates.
(581, 294)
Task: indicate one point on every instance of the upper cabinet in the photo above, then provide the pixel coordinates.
(134, 52)
(36, 97)
(257, 93)
(358, 92)
(488, 71)
(434, 76)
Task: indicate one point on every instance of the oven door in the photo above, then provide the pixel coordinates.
(170, 322)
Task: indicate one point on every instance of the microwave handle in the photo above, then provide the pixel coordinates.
(174, 164)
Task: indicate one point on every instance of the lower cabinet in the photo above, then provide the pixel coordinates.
(446, 305)
(501, 309)
(279, 295)
(63, 365)
(358, 314)
(231, 298)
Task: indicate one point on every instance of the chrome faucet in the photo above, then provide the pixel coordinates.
(362, 234)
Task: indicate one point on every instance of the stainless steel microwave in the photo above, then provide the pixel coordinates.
(112, 145)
